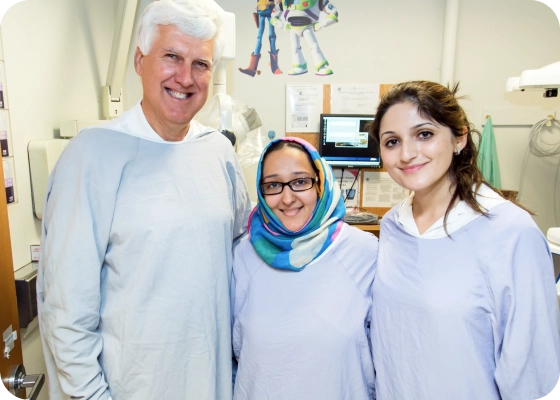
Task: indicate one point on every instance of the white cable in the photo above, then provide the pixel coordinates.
(535, 127)
(541, 149)
(536, 143)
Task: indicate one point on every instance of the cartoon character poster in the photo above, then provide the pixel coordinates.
(301, 19)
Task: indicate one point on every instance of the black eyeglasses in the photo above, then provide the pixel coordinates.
(297, 185)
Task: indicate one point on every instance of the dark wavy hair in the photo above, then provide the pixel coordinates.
(440, 104)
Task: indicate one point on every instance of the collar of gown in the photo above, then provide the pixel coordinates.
(134, 122)
(459, 216)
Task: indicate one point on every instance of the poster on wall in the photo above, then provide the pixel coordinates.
(304, 104)
(300, 20)
(380, 190)
(354, 99)
(349, 185)
(5, 136)
(9, 180)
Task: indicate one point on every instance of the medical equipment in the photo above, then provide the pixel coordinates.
(219, 73)
(546, 78)
(111, 93)
(239, 123)
(43, 155)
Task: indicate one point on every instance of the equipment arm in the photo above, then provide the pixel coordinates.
(111, 93)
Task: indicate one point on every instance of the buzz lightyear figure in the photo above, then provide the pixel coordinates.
(302, 18)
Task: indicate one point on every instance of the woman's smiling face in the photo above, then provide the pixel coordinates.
(416, 151)
(293, 209)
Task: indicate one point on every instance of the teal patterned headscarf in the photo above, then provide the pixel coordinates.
(285, 249)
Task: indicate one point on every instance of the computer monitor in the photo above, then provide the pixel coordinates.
(344, 141)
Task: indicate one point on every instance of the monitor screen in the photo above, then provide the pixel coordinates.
(344, 141)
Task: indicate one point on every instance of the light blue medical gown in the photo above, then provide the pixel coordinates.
(473, 316)
(134, 275)
(305, 335)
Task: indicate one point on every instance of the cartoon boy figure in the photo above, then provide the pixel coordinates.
(303, 18)
(262, 17)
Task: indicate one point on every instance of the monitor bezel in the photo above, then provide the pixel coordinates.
(348, 164)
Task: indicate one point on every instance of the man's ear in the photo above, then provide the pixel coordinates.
(138, 58)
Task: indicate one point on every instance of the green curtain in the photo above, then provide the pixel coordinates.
(488, 157)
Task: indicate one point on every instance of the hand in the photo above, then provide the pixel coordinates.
(277, 22)
(324, 22)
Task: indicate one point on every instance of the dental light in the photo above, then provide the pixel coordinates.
(546, 78)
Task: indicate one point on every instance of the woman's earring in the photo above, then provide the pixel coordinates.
(457, 151)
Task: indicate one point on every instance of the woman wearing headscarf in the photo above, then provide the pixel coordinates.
(301, 287)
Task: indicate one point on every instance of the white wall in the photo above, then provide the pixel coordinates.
(57, 53)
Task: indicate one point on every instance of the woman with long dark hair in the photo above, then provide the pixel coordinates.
(464, 299)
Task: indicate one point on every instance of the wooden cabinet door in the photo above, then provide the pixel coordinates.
(8, 304)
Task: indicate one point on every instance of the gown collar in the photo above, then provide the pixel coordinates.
(459, 216)
(134, 122)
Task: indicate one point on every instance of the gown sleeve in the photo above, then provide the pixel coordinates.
(81, 198)
(238, 291)
(242, 202)
(233, 313)
(526, 312)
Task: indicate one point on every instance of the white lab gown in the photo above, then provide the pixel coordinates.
(305, 335)
(469, 316)
(133, 285)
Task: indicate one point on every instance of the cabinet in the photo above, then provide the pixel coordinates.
(369, 228)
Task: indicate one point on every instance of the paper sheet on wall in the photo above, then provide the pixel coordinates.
(354, 99)
(304, 104)
(380, 190)
(5, 136)
(350, 185)
(9, 179)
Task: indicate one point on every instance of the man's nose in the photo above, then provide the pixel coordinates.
(184, 75)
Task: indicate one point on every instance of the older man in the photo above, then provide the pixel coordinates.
(138, 229)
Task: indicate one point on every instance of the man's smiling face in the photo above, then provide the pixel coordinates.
(175, 78)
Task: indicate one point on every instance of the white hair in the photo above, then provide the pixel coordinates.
(201, 19)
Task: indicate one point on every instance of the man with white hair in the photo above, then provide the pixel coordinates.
(139, 224)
